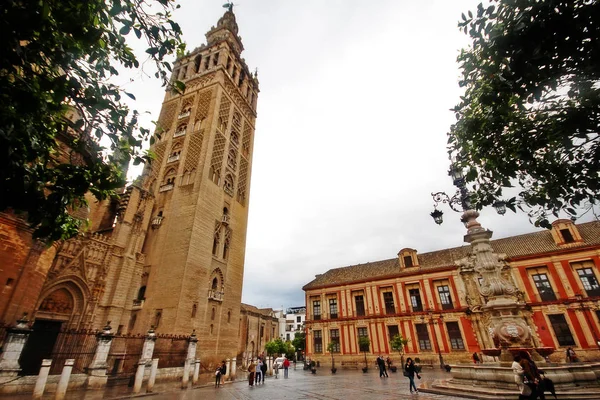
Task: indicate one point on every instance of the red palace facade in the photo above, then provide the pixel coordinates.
(430, 301)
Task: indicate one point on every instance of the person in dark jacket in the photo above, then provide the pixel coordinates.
(532, 377)
(410, 371)
(381, 365)
(263, 369)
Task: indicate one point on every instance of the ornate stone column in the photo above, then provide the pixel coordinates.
(507, 322)
(13, 346)
(97, 370)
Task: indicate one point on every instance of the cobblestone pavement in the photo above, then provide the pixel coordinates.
(345, 385)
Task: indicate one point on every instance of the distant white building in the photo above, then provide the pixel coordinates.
(294, 322)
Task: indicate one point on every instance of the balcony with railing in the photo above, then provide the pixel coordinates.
(138, 304)
(168, 186)
(215, 295)
(173, 158)
(184, 115)
(156, 221)
(225, 219)
(179, 133)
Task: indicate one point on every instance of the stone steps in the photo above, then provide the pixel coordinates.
(473, 392)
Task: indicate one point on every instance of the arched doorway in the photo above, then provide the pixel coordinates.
(54, 313)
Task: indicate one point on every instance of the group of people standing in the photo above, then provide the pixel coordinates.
(258, 370)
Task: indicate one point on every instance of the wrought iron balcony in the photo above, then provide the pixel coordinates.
(184, 115)
(179, 133)
(156, 221)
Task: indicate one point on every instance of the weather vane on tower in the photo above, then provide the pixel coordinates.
(228, 5)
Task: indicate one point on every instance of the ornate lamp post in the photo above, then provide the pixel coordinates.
(507, 323)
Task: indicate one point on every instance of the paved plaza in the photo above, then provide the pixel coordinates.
(344, 385)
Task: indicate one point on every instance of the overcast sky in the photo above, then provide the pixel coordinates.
(350, 137)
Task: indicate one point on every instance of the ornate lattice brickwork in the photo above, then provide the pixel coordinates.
(203, 104)
(193, 153)
(240, 100)
(242, 182)
(224, 113)
(246, 139)
(159, 150)
(186, 107)
(217, 158)
(167, 116)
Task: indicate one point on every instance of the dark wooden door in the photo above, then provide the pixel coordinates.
(39, 345)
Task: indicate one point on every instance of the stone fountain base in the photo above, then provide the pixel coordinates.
(496, 381)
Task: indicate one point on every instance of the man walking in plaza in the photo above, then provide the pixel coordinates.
(286, 366)
(381, 365)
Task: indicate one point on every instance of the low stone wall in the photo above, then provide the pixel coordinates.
(25, 384)
(502, 377)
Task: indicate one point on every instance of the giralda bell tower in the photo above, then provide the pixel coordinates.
(200, 180)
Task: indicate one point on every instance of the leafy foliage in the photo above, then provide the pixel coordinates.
(56, 61)
(531, 110)
(274, 347)
(299, 341)
(398, 342)
(277, 347)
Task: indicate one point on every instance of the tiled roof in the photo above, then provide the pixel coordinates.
(254, 309)
(514, 246)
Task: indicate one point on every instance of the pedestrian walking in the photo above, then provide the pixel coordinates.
(251, 372)
(223, 371)
(263, 370)
(276, 370)
(286, 366)
(258, 372)
(410, 370)
(218, 377)
(381, 365)
(524, 390)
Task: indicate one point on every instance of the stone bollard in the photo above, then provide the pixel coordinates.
(97, 369)
(63, 383)
(147, 351)
(152, 378)
(232, 370)
(40, 383)
(196, 371)
(13, 346)
(191, 356)
(228, 372)
(270, 365)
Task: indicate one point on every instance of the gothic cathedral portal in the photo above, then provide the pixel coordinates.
(200, 180)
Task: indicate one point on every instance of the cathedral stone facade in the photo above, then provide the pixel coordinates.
(169, 253)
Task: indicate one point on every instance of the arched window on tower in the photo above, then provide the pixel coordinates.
(197, 62)
(228, 184)
(232, 160)
(212, 314)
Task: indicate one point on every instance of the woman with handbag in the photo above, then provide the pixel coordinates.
(524, 390)
(531, 376)
(410, 370)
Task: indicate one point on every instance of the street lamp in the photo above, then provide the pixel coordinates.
(435, 339)
(461, 200)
